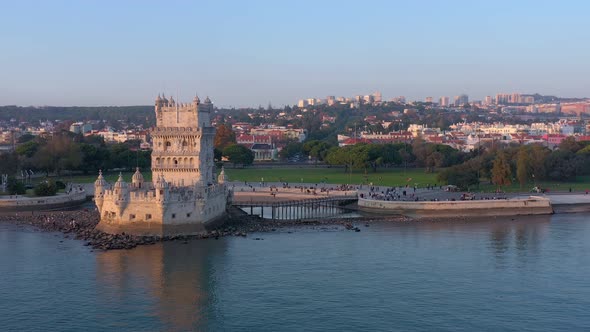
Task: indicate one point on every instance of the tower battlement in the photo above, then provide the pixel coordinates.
(170, 113)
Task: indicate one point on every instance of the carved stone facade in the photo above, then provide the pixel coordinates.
(184, 195)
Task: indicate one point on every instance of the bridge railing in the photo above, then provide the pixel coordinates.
(298, 209)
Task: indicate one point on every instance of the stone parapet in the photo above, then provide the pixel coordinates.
(506, 207)
(42, 203)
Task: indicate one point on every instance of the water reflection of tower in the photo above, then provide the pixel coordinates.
(165, 286)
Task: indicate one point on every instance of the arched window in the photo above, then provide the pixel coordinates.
(168, 145)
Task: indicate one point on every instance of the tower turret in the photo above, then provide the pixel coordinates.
(100, 184)
(222, 178)
(161, 188)
(137, 179)
(204, 113)
(99, 187)
(120, 188)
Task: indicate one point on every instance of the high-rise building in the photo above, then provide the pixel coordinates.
(428, 100)
(377, 97)
(515, 98)
(489, 100)
(302, 103)
(527, 99)
(444, 101)
(400, 99)
(330, 100)
(461, 100)
(509, 98)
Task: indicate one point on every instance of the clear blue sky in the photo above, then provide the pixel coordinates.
(246, 53)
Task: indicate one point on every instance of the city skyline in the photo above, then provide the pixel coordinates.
(249, 54)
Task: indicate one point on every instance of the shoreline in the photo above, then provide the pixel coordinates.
(81, 225)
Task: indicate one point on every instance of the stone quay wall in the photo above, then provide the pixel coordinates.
(506, 207)
(46, 203)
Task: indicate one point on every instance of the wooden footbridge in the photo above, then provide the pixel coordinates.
(310, 208)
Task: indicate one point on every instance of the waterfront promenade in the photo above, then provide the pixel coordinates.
(260, 192)
(14, 203)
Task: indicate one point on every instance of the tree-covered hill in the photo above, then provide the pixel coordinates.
(131, 114)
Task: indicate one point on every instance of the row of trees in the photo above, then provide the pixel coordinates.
(226, 146)
(68, 151)
(523, 164)
(372, 156)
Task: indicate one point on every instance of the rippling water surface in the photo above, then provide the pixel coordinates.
(528, 274)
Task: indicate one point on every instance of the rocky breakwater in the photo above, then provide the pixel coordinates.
(81, 225)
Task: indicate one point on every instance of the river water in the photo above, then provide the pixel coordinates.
(527, 274)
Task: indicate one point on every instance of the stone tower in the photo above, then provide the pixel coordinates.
(184, 197)
(183, 142)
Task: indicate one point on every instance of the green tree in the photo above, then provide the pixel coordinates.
(562, 165)
(59, 153)
(463, 176)
(538, 156)
(501, 172)
(420, 151)
(570, 144)
(27, 149)
(15, 187)
(316, 149)
(340, 156)
(358, 156)
(523, 165)
(290, 150)
(217, 154)
(46, 188)
(9, 163)
(26, 138)
(434, 159)
(239, 154)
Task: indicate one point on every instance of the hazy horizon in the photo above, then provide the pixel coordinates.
(247, 54)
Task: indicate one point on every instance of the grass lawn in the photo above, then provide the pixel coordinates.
(386, 177)
(389, 177)
(581, 184)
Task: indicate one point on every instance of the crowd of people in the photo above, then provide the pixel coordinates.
(311, 189)
(427, 194)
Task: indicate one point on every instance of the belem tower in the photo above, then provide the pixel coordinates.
(184, 196)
